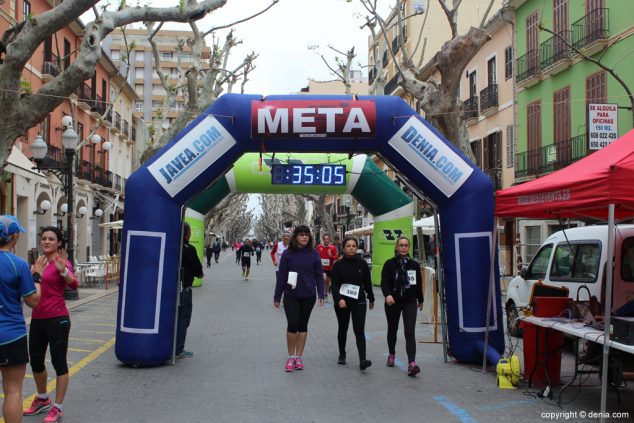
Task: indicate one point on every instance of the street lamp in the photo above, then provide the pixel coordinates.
(64, 173)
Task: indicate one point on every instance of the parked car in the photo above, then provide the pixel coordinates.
(572, 258)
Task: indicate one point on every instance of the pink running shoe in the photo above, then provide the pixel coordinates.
(37, 406)
(390, 360)
(298, 364)
(55, 415)
(290, 364)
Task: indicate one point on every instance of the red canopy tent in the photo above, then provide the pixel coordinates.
(600, 185)
(583, 189)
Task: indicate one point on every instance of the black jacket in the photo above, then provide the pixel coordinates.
(354, 271)
(389, 286)
(191, 265)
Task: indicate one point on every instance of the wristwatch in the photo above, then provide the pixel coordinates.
(64, 273)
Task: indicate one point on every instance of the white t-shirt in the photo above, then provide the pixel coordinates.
(278, 254)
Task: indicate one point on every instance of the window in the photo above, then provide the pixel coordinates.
(534, 133)
(533, 241)
(508, 63)
(114, 55)
(138, 88)
(473, 84)
(26, 10)
(80, 132)
(627, 260)
(46, 129)
(576, 262)
(510, 147)
(476, 148)
(561, 121)
(138, 106)
(186, 57)
(140, 56)
(156, 105)
(491, 153)
(138, 73)
(167, 56)
(539, 264)
(596, 88)
(491, 71)
(66, 53)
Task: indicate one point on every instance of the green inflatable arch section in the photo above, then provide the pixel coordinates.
(370, 186)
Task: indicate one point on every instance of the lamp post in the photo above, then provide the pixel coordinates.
(64, 173)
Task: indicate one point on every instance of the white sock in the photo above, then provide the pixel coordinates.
(43, 396)
(58, 406)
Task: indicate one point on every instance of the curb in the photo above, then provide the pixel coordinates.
(90, 298)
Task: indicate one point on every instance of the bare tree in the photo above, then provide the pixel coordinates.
(439, 99)
(231, 217)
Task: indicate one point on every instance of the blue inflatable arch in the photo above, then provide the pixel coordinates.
(238, 124)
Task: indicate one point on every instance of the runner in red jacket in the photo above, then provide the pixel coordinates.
(328, 254)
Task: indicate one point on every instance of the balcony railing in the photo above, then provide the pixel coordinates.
(116, 182)
(99, 176)
(117, 120)
(54, 157)
(471, 108)
(109, 116)
(85, 170)
(108, 176)
(50, 66)
(99, 106)
(592, 27)
(392, 85)
(489, 97)
(528, 65)
(551, 157)
(555, 49)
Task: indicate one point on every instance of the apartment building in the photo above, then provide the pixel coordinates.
(555, 85)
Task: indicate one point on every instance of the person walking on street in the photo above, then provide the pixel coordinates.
(258, 251)
(300, 275)
(16, 283)
(209, 252)
(401, 283)
(50, 324)
(328, 254)
(351, 283)
(277, 251)
(192, 268)
(237, 246)
(216, 249)
(246, 252)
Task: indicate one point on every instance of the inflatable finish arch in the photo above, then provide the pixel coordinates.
(237, 124)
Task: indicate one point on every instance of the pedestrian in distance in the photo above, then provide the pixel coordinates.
(401, 283)
(209, 252)
(258, 251)
(351, 285)
(16, 283)
(246, 252)
(328, 254)
(50, 323)
(191, 268)
(216, 249)
(301, 280)
(237, 245)
(278, 250)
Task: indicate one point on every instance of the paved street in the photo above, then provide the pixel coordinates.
(236, 373)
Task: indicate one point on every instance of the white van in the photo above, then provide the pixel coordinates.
(572, 258)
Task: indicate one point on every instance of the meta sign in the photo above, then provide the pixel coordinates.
(313, 119)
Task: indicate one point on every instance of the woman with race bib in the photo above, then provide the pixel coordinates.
(351, 282)
(401, 283)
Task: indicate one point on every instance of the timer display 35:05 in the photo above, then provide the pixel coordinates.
(307, 174)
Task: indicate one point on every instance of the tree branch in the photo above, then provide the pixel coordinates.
(273, 3)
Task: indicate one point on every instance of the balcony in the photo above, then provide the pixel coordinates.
(54, 157)
(133, 133)
(84, 95)
(99, 177)
(84, 170)
(108, 179)
(489, 100)
(528, 69)
(116, 182)
(471, 109)
(116, 127)
(392, 85)
(590, 33)
(49, 68)
(126, 129)
(99, 107)
(551, 157)
(556, 54)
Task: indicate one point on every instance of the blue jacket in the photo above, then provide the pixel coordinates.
(310, 275)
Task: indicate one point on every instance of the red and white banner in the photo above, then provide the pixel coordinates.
(313, 119)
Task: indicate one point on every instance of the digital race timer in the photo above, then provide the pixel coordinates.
(308, 174)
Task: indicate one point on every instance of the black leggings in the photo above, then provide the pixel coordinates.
(393, 314)
(357, 311)
(53, 332)
(298, 312)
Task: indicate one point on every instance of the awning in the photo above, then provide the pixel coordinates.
(18, 163)
(109, 202)
(427, 225)
(117, 224)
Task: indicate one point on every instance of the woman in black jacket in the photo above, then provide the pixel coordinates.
(401, 283)
(350, 281)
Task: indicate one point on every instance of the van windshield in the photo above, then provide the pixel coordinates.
(539, 264)
(576, 262)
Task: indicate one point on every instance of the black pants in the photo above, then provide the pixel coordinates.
(53, 331)
(216, 255)
(297, 312)
(258, 256)
(208, 261)
(393, 315)
(357, 311)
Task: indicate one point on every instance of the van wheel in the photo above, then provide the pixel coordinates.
(513, 321)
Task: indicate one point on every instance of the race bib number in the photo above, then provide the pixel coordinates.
(350, 290)
(247, 255)
(325, 262)
(411, 277)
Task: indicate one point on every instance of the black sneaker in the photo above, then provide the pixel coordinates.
(341, 359)
(364, 364)
(413, 369)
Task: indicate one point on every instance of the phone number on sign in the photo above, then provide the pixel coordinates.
(569, 415)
